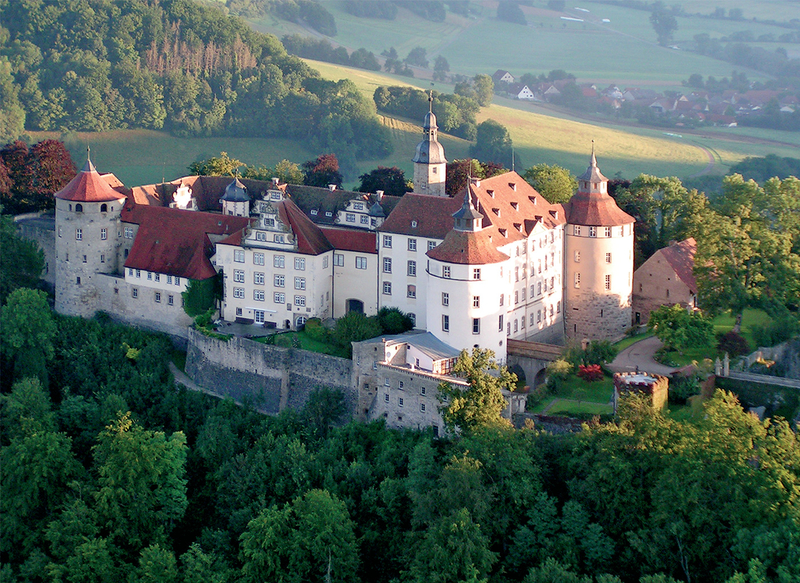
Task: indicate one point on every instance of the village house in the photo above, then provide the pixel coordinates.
(666, 278)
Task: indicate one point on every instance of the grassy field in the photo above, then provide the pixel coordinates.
(285, 340)
(623, 50)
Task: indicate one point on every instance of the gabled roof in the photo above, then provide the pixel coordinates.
(351, 239)
(680, 257)
(510, 204)
(422, 215)
(323, 201)
(89, 186)
(309, 237)
(176, 242)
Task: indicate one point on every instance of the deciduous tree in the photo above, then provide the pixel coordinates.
(322, 171)
(391, 181)
(553, 182)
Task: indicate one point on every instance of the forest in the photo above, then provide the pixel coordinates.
(109, 470)
(95, 65)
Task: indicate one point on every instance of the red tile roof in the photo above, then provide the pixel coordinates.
(89, 186)
(175, 242)
(351, 239)
(469, 247)
(310, 239)
(680, 257)
(433, 216)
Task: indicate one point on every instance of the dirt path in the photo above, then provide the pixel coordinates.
(709, 167)
(639, 357)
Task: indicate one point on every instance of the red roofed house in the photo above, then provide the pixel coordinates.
(666, 278)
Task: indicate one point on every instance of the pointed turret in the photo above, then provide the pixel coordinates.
(88, 186)
(467, 217)
(429, 159)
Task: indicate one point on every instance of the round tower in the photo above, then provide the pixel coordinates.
(598, 261)
(236, 201)
(429, 161)
(463, 272)
(87, 237)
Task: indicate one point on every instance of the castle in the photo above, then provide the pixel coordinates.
(496, 262)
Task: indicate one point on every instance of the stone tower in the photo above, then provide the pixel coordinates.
(429, 161)
(598, 261)
(88, 234)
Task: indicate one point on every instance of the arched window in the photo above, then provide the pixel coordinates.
(78, 208)
(103, 208)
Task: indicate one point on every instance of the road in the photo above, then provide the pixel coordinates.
(639, 356)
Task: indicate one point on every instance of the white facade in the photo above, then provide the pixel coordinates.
(355, 279)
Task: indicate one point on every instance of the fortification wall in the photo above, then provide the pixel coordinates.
(271, 378)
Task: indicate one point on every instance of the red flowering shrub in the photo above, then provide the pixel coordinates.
(590, 373)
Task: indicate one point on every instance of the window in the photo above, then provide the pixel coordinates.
(258, 295)
(279, 280)
(170, 300)
(169, 279)
(258, 259)
(446, 271)
(476, 325)
(259, 316)
(387, 241)
(421, 389)
(502, 299)
(516, 274)
(516, 297)
(361, 262)
(607, 282)
(300, 283)
(177, 280)
(608, 231)
(386, 397)
(158, 297)
(135, 292)
(538, 316)
(577, 256)
(338, 259)
(78, 280)
(431, 245)
(387, 288)
(539, 266)
(577, 230)
(103, 234)
(300, 263)
(445, 323)
(412, 268)
(238, 292)
(59, 231)
(364, 220)
(412, 244)
(608, 257)
(545, 285)
(258, 278)
(523, 294)
(640, 288)
(261, 235)
(539, 288)
(577, 279)
(516, 326)
(238, 255)
(400, 401)
(412, 291)
(277, 238)
(78, 208)
(667, 290)
(551, 310)
(238, 275)
(476, 273)
(387, 265)
(593, 231)
(278, 261)
(422, 407)
(350, 217)
(279, 297)
(102, 258)
(300, 301)
(558, 307)
(149, 274)
(138, 273)
(78, 234)
(476, 301)
(445, 299)
(129, 232)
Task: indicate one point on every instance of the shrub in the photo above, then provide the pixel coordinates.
(315, 330)
(393, 321)
(733, 344)
(598, 352)
(590, 372)
(683, 387)
(775, 332)
(355, 327)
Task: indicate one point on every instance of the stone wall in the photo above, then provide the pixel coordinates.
(271, 378)
(41, 228)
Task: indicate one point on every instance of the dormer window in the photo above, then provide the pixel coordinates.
(496, 211)
(491, 193)
(518, 227)
(515, 206)
(314, 212)
(503, 232)
(328, 214)
(512, 186)
(532, 199)
(413, 223)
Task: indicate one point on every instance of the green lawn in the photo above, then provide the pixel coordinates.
(628, 340)
(285, 339)
(571, 408)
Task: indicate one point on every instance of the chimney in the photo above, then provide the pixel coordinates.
(379, 194)
(331, 187)
(275, 181)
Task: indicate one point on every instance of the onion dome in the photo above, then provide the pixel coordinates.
(429, 150)
(236, 192)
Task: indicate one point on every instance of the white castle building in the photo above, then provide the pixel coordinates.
(494, 262)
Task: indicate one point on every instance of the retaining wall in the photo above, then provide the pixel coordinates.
(271, 378)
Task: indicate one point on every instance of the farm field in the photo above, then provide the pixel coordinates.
(623, 50)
